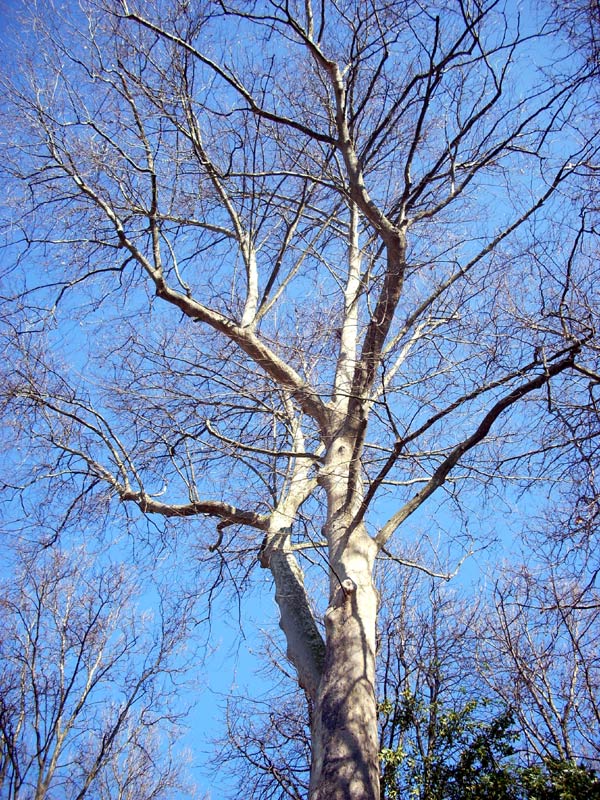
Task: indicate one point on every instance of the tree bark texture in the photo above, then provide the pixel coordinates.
(338, 674)
(345, 761)
(345, 745)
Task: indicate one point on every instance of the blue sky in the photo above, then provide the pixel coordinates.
(491, 518)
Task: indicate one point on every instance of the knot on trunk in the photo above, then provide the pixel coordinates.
(342, 602)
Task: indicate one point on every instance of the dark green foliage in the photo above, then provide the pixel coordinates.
(559, 780)
(460, 755)
(446, 754)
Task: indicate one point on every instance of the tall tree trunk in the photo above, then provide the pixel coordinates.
(345, 749)
(345, 745)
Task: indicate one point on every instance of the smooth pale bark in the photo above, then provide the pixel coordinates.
(305, 646)
(338, 675)
(344, 737)
(345, 745)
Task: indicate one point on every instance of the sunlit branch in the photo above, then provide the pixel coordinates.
(446, 576)
(212, 508)
(453, 458)
(231, 80)
(264, 451)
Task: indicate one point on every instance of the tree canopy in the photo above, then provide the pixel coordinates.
(295, 285)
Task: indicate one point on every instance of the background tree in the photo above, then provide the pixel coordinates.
(452, 726)
(299, 268)
(539, 643)
(430, 705)
(540, 655)
(88, 706)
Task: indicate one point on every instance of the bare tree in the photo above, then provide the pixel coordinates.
(539, 645)
(296, 267)
(428, 692)
(582, 21)
(433, 707)
(88, 704)
(539, 653)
